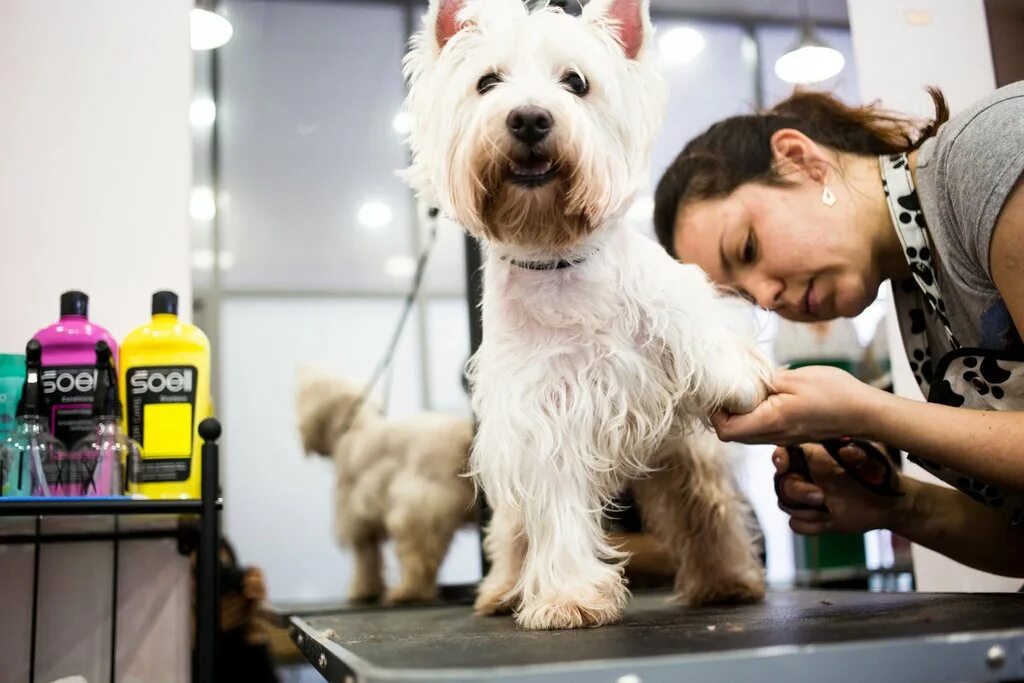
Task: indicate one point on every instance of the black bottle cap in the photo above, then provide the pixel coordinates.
(101, 399)
(165, 302)
(30, 404)
(102, 354)
(74, 303)
(33, 354)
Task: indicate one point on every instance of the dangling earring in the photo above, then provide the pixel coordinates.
(827, 197)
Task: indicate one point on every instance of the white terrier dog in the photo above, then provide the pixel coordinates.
(601, 356)
(399, 479)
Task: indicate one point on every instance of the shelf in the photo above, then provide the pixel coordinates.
(30, 507)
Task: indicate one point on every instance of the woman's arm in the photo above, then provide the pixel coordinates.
(812, 404)
(988, 445)
(953, 524)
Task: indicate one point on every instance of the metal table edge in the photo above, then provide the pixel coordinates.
(344, 666)
(948, 657)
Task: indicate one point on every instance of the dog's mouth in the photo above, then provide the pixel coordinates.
(531, 171)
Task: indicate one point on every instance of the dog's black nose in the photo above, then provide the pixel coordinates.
(529, 124)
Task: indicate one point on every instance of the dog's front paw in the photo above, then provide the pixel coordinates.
(601, 606)
(749, 385)
(737, 589)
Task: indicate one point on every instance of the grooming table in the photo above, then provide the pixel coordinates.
(794, 636)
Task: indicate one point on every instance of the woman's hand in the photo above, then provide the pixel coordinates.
(939, 518)
(810, 404)
(851, 507)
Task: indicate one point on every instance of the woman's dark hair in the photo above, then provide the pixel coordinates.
(738, 150)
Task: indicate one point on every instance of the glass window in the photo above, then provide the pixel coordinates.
(309, 93)
(708, 69)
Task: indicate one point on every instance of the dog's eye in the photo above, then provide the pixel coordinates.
(487, 83)
(575, 83)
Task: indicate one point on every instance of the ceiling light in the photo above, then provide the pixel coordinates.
(402, 123)
(680, 45)
(810, 60)
(374, 214)
(209, 30)
(202, 112)
(201, 204)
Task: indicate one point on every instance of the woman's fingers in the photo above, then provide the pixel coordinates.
(868, 470)
(808, 528)
(805, 515)
(853, 455)
(822, 465)
(797, 490)
(757, 426)
(780, 458)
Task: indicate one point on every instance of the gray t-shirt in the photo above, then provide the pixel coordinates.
(964, 176)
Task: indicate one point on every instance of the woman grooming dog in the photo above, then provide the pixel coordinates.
(806, 209)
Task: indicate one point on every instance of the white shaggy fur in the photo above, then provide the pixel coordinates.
(400, 479)
(593, 377)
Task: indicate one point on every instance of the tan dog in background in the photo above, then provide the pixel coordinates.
(399, 479)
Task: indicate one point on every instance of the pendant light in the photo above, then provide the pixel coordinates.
(810, 60)
(209, 30)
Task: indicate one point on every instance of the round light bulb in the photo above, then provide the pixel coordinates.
(209, 30)
(374, 214)
(809, 64)
(680, 45)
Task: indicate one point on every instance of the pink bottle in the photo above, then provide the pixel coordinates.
(69, 368)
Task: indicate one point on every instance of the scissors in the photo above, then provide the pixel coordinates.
(876, 473)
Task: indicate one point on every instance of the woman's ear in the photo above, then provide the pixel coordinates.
(794, 152)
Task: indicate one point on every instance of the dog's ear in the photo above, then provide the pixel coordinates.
(443, 21)
(628, 21)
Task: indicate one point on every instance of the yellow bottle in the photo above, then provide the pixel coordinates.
(165, 390)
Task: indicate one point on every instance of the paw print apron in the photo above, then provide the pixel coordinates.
(976, 378)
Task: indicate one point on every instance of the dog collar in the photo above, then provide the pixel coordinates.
(544, 265)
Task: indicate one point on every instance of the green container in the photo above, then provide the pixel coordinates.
(12, 377)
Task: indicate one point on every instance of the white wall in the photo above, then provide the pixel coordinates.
(95, 171)
(95, 168)
(900, 47)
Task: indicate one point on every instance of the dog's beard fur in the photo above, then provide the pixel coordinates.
(552, 217)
